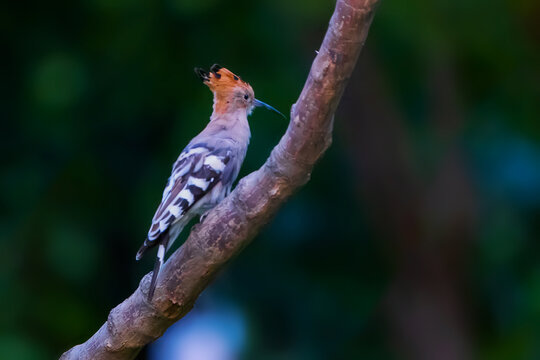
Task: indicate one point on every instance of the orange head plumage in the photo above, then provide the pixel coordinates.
(231, 93)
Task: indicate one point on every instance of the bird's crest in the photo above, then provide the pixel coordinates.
(226, 87)
(221, 80)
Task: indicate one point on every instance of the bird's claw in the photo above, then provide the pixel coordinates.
(203, 216)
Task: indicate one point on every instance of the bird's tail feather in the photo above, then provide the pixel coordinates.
(159, 262)
(160, 258)
(147, 244)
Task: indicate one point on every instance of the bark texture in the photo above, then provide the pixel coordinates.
(233, 223)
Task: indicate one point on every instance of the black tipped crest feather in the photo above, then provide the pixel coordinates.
(205, 75)
(202, 74)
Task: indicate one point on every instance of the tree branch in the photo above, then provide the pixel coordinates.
(234, 222)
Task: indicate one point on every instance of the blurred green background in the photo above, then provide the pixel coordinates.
(417, 238)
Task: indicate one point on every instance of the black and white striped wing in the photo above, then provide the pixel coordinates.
(195, 173)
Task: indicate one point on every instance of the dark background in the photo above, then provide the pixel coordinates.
(417, 237)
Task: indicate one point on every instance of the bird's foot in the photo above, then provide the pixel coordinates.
(203, 216)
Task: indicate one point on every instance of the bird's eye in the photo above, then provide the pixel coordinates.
(246, 97)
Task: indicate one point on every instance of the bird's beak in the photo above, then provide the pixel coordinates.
(258, 103)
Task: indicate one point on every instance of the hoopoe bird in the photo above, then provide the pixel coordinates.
(203, 174)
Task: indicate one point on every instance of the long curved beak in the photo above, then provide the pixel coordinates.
(259, 103)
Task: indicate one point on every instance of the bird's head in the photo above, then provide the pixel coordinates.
(231, 93)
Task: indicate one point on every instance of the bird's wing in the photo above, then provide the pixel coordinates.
(198, 169)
